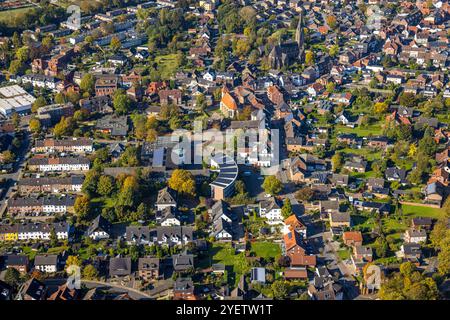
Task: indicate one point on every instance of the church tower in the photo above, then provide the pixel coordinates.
(300, 38)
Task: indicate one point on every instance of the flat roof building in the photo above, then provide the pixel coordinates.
(15, 99)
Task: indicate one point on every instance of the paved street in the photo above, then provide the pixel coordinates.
(19, 166)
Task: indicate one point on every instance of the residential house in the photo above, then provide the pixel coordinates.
(47, 263)
(413, 235)
(271, 210)
(167, 197)
(32, 289)
(183, 262)
(99, 229)
(120, 267)
(149, 269)
(352, 238)
(184, 289)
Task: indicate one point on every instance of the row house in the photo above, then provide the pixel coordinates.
(51, 184)
(175, 235)
(81, 145)
(34, 231)
(59, 164)
(41, 81)
(49, 204)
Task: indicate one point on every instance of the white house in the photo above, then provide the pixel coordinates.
(169, 217)
(40, 231)
(99, 229)
(270, 210)
(413, 235)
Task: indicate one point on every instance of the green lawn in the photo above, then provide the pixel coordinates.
(373, 130)
(167, 65)
(30, 253)
(266, 249)
(417, 211)
(367, 153)
(236, 264)
(9, 15)
(344, 254)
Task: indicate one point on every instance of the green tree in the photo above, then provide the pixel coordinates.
(73, 261)
(116, 44)
(279, 289)
(407, 99)
(286, 210)
(38, 103)
(82, 207)
(12, 277)
(53, 238)
(64, 127)
(272, 185)
(8, 157)
(90, 272)
(309, 58)
(34, 125)
(121, 102)
(105, 185)
(337, 161)
(408, 284)
(90, 183)
(87, 83)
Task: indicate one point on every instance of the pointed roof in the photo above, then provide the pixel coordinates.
(166, 196)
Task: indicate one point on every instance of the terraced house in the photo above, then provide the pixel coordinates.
(48, 204)
(59, 164)
(81, 145)
(51, 184)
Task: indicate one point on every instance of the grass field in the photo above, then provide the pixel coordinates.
(416, 211)
(167, 65)
(373, 130)
(344, 254)
(368, 154)
(266, 249)
(9, 15)
(236, 264)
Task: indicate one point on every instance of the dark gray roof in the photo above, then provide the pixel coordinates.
(138, 234)
(44, 260)
(148, 264)
(15, 260)
(167, 196)
(182, 262)
(99, 224)
(119, 267)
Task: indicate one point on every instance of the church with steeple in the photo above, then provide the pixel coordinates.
(288, 53)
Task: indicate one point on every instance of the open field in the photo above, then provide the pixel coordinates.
(236, 264)
(266, 249)
(167, 65)
(417, 211)
(373, 130)
(10, 15)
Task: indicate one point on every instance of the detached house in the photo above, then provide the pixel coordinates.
(149, 269)
(99, 229)
(167, 197)
(46, 263)
(271, 210)
(413, 235)
(183, 262)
